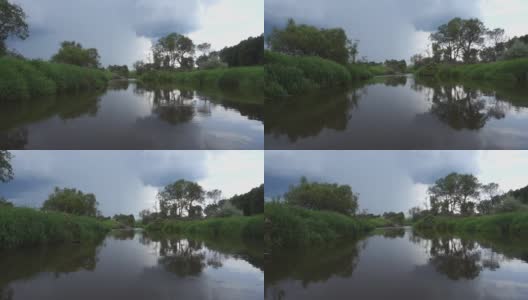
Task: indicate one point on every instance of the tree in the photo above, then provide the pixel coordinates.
(6, 170)
(74, 54)
(5, 203)
(308, 40)
(251, 203)
(453, 194)
(517, 50)
(12, 23)
(204, 48)
(178, 198)
(248, 52)
(173, 51)
(71, 201)
(126, 220)
(472, 34)
(352, 47)
(119, 70)
(323, 196)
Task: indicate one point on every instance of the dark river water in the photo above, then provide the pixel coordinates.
(130, 116)
(400, 264)
(132, 265)
(402, 113)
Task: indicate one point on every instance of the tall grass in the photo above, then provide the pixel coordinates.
(249, 79)
(292, 227)
(21, 227)
(232, 227)
(23, 79)
(291, 75)
(515, 224)
(510, 70)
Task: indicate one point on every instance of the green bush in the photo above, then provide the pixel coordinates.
(23, 79)
(27, 227)
(234, 227)
(515, 224)
(291, 227)
(511, 70)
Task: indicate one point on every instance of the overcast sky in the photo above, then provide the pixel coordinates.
(123, 30)
(395, 28)
(392, 180)
(128, 181)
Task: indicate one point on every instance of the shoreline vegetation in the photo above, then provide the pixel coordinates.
(23, 227)
(22, 79)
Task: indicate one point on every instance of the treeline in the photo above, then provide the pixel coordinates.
(176, 52)
(464, 195)
(462, 43)
(186, 200)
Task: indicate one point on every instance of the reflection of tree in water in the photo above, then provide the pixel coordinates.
(315, 265)
(118, 85)
(308, 116)
(171, 105)
(123, 234)
(58, 260)
(14, 139)
(182, 257)
(462, 107)
(393, 233)
(395, 81)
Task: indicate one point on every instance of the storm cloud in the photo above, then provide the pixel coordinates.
(385, 180)
(123, 30)
(386, 28)
(128, 181)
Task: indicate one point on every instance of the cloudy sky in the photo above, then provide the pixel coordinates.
(123, 30)
(392, 180)
(128, 181)
(395, 28)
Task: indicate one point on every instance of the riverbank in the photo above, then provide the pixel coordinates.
(251, 228)
(24, 79)
(514, 224)
(21, 227)
(287, 75)
(294, 227)
(242, 79)
(506, 71)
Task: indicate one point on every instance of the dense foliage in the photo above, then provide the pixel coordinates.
(248, 52)
(250, 203)
(323, 196)
(23, 79)
(12, 23)
(73, 53)
(71, 201)
(306, 40)
(181, 198)
(28, 227)
(6, 170)
(126, 220)
(119, 70)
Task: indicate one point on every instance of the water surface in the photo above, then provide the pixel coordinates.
(132, 265)
(132, 116)
(400, 264)
(402, 113)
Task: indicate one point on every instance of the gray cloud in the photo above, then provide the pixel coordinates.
(385, 28)
(385, 180)
(123, 181)
(120, 29)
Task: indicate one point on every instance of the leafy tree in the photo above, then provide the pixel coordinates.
(5, 203)
(6, 170)
(308, 40)
(173, 51)
(472, 35)
(12, 23)
(204, 48)
(453, 194)
(126, 220)
(517, 50)
(397, 218)
(119, 70)
(227, 209)
(251, 203)
(397, 66)
(71, 201)
(74, 54)
(178, 198)
(248, 52)
(510, 204)
(323, 196)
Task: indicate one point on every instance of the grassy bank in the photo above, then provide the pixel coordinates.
(23, 79)
(511, 71)
(21, 227)
(292, 227)
(248, 79)
(290, 75)
(233, 227)
(514, 224)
